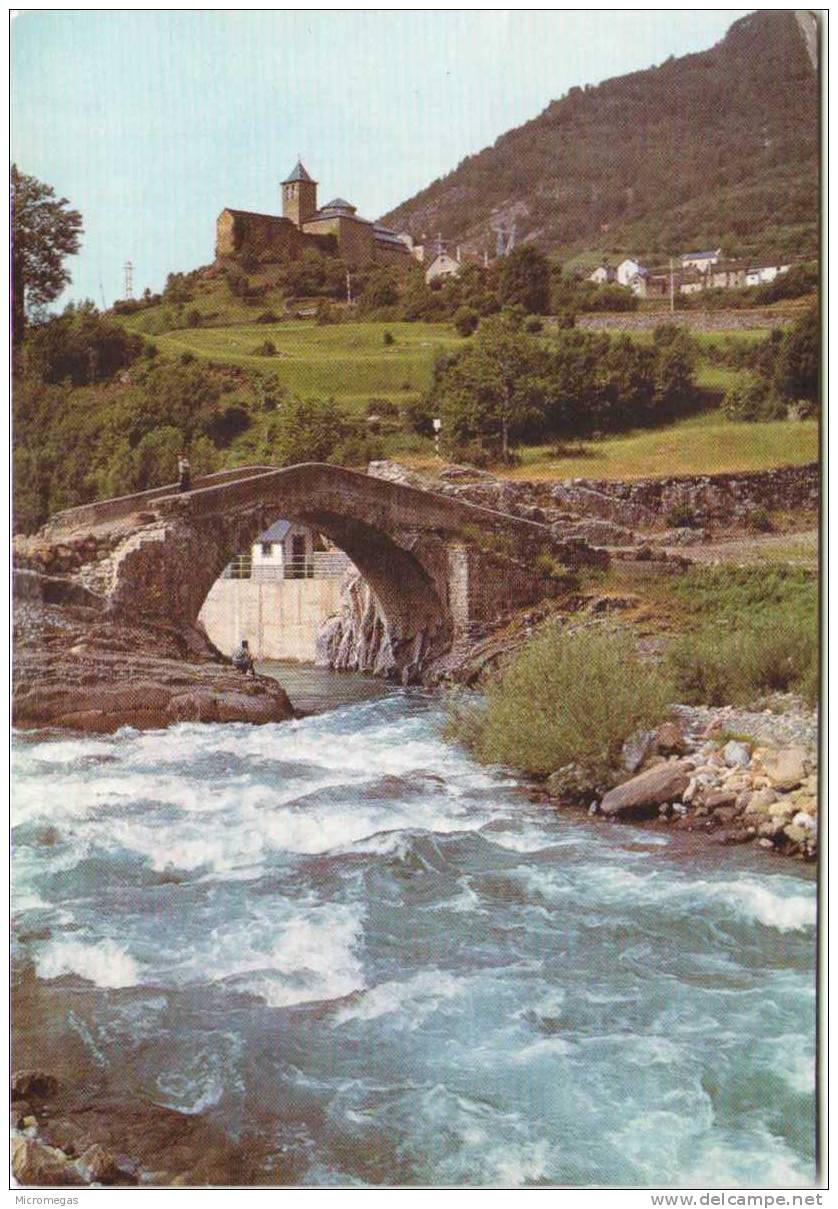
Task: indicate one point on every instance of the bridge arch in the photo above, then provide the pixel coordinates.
(431, 561)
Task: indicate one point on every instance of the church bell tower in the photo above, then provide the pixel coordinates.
(299, 196)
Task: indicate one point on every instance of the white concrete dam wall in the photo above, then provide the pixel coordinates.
(278, 618)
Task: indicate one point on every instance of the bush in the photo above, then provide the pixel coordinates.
(80, 346)
(776, 654)
(757, 632)
(466, 320)
(388, 338)
(752, 399)
(681, 516)
(266, 349)
(561, 699)
(533, 325)
(760, 520)
(326, 313)
(193, 318)
(267, 317)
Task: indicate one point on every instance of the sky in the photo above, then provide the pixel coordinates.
(151, 122)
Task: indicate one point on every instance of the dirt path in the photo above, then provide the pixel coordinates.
(798, 549)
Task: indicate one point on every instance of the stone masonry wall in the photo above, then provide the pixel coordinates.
(717, 497)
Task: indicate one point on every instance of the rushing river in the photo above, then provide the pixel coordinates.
(342, 935)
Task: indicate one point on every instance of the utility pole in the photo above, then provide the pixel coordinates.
(129, 279)
(671, 288)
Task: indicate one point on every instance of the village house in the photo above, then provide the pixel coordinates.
(602, 274)
(443, 265)
(335, 229)
(700, 260)
(628, 269)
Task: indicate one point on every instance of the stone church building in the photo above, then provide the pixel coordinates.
(335, 229)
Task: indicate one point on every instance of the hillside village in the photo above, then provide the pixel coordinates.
(695, 272)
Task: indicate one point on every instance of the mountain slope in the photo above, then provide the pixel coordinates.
(719, 147)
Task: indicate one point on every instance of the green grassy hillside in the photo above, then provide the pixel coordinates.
(347, 361)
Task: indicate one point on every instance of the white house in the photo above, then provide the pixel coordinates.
(762, 274)
(700, 260)
(284, 551)
(442, 266)
(602, 274)
(627, 269)
(638, 283)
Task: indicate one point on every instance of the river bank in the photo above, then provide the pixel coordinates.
(342, 943)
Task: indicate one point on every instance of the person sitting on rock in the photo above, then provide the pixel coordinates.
(184, 473)
(243, 660)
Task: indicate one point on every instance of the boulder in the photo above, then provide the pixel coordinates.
(719, 798)
(636, 749)
(669, 739)
(644, 793)
(796, 833)
(787, 767)
(33, 1085)
(38, 1166)
(570, 783)
(761, 801)
(98, 1166)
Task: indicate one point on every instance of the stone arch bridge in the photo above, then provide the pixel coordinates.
(437, 567)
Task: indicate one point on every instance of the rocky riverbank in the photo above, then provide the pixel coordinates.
(70, 1138)
(76, 667)
(737, 776)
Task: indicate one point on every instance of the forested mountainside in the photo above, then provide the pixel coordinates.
(715, 148)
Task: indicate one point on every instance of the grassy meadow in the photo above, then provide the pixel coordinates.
(361, 363)
(349, 362)
(703, 444)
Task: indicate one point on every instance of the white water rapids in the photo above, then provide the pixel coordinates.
(342, 934)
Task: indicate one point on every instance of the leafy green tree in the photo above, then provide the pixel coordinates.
(798, 362)
(315, 430)
(80, 346)
(675, 359)
(155, 457)
(525, 280)
(493, 389)
(44, 233)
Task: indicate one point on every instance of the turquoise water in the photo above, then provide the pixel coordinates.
(343, 937)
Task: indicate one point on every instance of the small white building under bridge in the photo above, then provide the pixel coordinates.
(277, 594)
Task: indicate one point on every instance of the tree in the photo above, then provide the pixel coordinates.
(493, 388)
(44, 232)
(525, 280)
(798, 363)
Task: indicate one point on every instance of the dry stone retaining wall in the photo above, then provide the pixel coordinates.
(716, 497)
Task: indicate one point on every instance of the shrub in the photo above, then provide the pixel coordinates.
(326, 313)
(751, 400)
(266, 349)
(776, 654)
(759, 519)
(388, 338)
(757, 631)
(533, 325)
(466, 320)
(267, 317)
(681, 516)
(561, 699)
(193, 317)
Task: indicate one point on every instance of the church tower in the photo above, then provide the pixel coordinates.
(299, 196)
